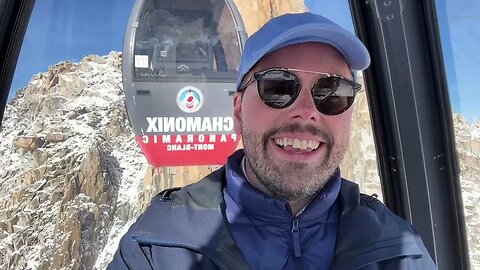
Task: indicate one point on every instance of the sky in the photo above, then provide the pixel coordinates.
(72, 29)
(62, 30)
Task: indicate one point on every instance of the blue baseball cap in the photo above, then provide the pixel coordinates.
(298, 28)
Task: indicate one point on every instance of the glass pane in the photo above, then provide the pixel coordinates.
(457, 22)
(177, 41)
(69, 162)
(360, 163)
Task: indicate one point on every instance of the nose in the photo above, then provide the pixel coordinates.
(304, 107)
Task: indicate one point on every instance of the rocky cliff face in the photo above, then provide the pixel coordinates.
(73, 178)
(257, 12)
(467, 137)
(67, 156)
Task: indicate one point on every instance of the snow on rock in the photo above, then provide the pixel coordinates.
(70, 166)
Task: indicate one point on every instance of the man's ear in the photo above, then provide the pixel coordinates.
(237, 112)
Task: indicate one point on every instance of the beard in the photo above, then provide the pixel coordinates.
(290, 180)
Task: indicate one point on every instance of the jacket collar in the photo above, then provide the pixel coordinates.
(263, 208)
(224, 250)
(198, 222)
(382, 234)
(369, 232)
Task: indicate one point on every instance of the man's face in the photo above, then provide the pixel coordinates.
(292, 172)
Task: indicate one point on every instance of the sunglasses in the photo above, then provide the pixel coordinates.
(279, 88)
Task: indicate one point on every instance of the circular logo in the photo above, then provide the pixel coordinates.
(189, 99)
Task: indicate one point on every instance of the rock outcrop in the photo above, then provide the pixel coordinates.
(64, 155)
(467, 138)
(256, 12)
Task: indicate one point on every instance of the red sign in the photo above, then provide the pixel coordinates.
(183, 150)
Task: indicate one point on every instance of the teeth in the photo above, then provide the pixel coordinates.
(289, 142)
(279, 142)
(304, 144)
(310, 144)
(297, 143)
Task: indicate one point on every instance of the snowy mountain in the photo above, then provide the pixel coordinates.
(71, 170)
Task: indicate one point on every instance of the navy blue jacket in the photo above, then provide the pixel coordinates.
(264, 227)
(187, 229)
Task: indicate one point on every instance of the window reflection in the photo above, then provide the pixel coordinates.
(176, 40)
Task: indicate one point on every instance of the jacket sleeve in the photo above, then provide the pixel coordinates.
(423, 262)
(129, 255)
(426, 261)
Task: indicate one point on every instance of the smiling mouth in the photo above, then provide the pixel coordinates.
(297, 144)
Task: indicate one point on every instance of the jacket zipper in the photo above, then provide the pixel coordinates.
(296, 238)
(296, 232)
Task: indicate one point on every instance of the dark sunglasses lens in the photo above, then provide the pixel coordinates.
(278, 88)
(333, 95)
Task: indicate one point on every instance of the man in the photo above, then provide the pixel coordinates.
(281, 203)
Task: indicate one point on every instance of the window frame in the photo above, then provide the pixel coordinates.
(412, 123)
(14, 17)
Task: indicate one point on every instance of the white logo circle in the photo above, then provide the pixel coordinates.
(189, 99)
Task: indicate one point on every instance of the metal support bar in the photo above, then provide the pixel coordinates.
(412, 122)
(14, 16)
